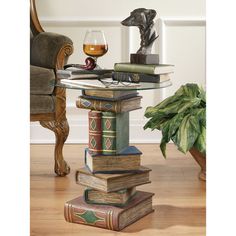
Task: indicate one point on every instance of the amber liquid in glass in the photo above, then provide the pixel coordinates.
(95, 50)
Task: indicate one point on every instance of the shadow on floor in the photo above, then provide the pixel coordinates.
(166, 216)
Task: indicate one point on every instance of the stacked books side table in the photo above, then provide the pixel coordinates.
(112, 167)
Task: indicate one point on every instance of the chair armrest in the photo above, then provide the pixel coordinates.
(50, 50)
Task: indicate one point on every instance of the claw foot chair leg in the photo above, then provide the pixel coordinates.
(61, 131)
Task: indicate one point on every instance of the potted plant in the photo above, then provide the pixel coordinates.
(182, 119)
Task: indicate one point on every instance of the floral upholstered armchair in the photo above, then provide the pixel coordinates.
(48, 52)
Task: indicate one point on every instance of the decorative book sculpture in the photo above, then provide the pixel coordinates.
(112, 167)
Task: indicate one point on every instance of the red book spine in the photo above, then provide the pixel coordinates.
(95, 132)
(81, 214)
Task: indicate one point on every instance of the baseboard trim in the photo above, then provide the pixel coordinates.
(142, 141)
(79, 133)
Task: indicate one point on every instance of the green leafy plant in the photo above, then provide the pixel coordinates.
(181, 118)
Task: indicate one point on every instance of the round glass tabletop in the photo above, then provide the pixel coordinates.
(94, 84)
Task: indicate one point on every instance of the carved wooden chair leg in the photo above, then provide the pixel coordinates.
(61, 130)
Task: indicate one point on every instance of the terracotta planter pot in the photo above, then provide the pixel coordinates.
(201, 160)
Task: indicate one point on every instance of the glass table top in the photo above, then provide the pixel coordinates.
(88, 85)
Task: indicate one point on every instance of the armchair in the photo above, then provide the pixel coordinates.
(49, 52)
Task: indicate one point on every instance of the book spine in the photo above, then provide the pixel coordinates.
(135, 77)
(112, 171)
(115, 132)
(103, 219)
(98, 105)
(111, 99)
(108, 133)
(132, 192)
(134, 68)
(86, 192)
(95, 132)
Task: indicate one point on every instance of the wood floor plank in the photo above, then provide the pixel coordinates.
(179, 200)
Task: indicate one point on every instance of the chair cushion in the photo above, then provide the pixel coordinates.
(42, 104)
(42, 80)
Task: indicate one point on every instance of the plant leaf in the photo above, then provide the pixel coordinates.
(181, 118)
(167, 101)
(202, 95)
(155, 122)
(170, 127)
(172, 108)
(189, 90)
(152, 111)
(200, 143)
(189, 103)
(187, 134)
(163, 147)
(180, 105)
(201, 114)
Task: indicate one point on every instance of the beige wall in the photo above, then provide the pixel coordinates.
(119, 8)
(181, 27)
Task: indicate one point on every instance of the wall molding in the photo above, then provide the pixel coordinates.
(175, 21)
(170, 21)
(165, 22)
(80, 22)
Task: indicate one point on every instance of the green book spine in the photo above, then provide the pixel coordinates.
(115, 132)
(87, 200)
(146, 69)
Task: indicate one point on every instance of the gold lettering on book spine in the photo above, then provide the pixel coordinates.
(68, 212)
(109, 220)
(111, 223)
(116, 107)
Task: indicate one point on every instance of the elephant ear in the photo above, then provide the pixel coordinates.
(150, 14)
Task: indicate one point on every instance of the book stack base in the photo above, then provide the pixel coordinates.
(112, 168)
(108, 217)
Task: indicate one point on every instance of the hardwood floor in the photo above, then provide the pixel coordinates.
(179, 200)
